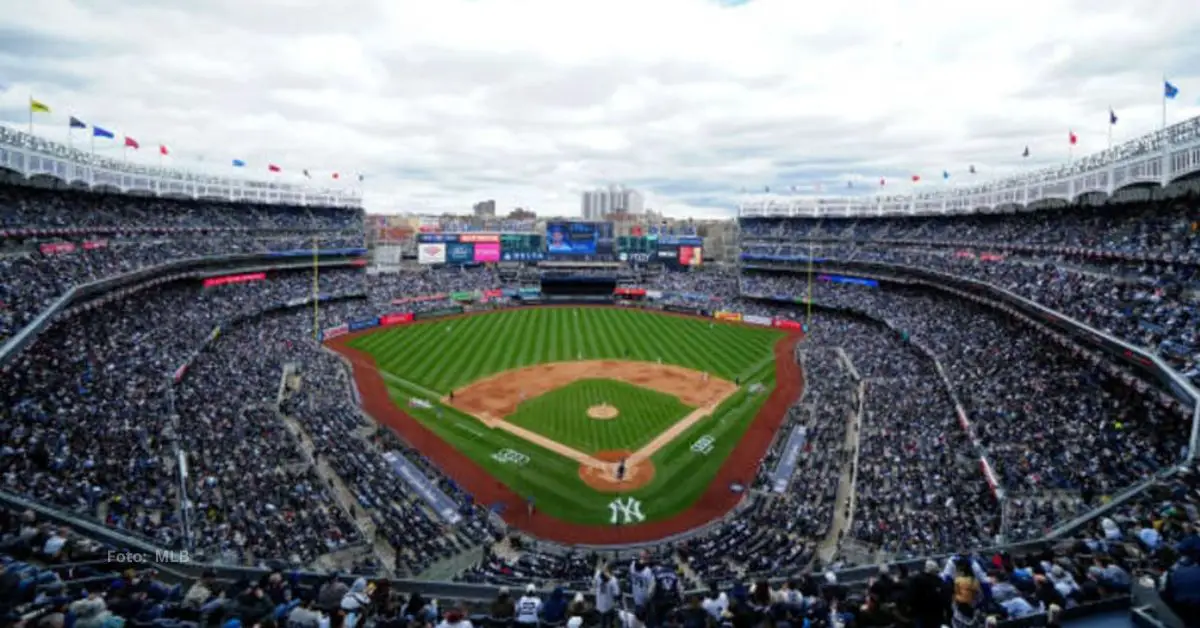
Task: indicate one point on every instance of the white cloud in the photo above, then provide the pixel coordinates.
(443, 103)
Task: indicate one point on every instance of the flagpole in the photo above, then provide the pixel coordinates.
(31, 112)
(808, 313)
(316, 292)
(1110, 126)
(1163, 87)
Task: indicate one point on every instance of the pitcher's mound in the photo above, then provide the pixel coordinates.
(604, 477)
(602, 412)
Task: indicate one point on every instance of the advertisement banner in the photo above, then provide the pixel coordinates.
(460, 253)
(487, 252)
(436, 238)
(784, 323)
(494, 294)
(463, 296)
(654, 294)
(446, 311)
(54, 248)
(228, 279)
(480, 237)
(423, 486)
(690, 255)
(95, 244)
(510, 292)
(529, 292)
(765, 321)
(728, 316)
(786, 467)
(334, 332)
(364, 324)
(630, 292)
(399, 318)
(431, 253)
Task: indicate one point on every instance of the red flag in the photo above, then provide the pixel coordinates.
(916, 177)
(1073, 138)
(132, 143)
(273, 168)
(162, 150)
(335, 175)
(882, 181)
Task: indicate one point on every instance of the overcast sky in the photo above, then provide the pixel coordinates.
(441, 103)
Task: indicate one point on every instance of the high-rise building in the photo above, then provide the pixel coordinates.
(485, 208)
(598, 203)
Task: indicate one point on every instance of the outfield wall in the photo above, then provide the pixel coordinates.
(717, 501)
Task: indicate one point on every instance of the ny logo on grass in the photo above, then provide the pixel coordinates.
(627, 511)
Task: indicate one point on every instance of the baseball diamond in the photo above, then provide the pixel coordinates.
(506, 403)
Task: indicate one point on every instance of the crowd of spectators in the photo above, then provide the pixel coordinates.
(1131, 269)
(51, 240)
(1061, 432)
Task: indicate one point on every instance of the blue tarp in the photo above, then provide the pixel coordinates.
(421, 484)
(789, 460)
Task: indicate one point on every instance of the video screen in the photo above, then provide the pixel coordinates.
(575, 238)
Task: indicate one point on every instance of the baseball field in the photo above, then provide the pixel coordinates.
(575, 420)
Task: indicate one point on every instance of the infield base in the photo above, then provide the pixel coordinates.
(603, 478)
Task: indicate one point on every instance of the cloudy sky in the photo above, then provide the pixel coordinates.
(445, 102)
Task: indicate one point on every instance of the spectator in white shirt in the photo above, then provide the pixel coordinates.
(529, 607)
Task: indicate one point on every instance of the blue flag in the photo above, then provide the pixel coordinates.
(1112, 116)
(99, 132)
(76, 123)
(1169, 90)
(238, 163)
(945, 174)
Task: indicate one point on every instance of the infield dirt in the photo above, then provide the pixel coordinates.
(499, 395)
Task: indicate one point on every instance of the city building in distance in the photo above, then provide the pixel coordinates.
(614, 199)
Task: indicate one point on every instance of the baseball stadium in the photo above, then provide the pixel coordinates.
(265, 391)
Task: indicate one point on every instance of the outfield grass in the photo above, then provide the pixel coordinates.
(426, 360)
(562, 415)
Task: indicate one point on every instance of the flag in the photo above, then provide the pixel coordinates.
(971, 169)
(945, 174)
(766, 189)
(1026, 153)
(916, 177)
(1169, 91)
(1071, 137)
(273, 168)
(76, 123)
(238, 163)
(335, 175)
(38, 107)
(306, 173)
(1112, 116)
(882, 181)
(360, 178)
(849, 184)
(162, 150)
(132, 143)
(99, 132)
